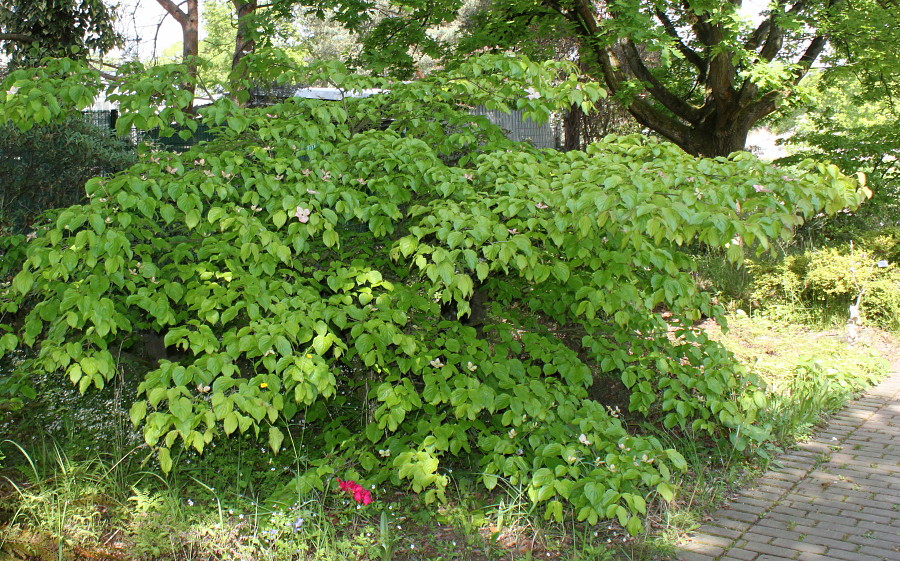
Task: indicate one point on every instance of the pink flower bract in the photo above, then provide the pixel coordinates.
(359, 494)
(302, 214)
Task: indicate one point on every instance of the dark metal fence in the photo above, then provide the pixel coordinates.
(106, 120)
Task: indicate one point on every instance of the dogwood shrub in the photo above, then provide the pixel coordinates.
(396, 276)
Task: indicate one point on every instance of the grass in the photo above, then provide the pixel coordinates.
(78, 481)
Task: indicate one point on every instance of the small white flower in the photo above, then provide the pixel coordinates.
(436, 363)
(471, 367)
(584, 440)
(512, 433)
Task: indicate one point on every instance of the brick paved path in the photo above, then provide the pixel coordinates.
(835, 498)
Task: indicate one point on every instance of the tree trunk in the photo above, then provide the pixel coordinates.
(191, 42)
(713, 141)
(189, 21)
(572, 128)
(243, 42)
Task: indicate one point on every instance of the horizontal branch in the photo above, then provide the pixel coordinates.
(19, 37)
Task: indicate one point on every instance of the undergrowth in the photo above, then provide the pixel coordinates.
(61, 497)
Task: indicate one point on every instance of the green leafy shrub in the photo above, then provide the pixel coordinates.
(882, 243)
(826, 282)
(422, 295)
(46, 167)
(814, 388)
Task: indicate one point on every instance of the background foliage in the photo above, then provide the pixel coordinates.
(32, 30)
(46, 167)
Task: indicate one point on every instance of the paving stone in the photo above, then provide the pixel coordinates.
(796, 545)
(703, 548)
(692, 556)
(831, 543)
(738, 515)
(768, 549)
(739, 555)
(839, 555)
(737, 525)
(878, 553)
(723, 532)
(709, 539)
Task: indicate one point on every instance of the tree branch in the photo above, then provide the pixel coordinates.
(173, 10)
(815, 48)
(19, 37)
(773, 43)
(670, 101)
(690, 54)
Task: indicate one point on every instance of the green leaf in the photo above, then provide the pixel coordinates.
(23, 281)
(677, 460)
(165, 460)
(215, 214)
(138, 411)
(192, 218)
(181, 408)
(634, 526)
(541, 477)
(275, 438)
(283, 346)
(666, 491)
(330, 238)
(230, 422)
(561, 271)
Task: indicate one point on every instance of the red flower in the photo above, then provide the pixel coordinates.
(360, 495)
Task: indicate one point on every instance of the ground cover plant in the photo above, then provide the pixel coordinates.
(389, 289)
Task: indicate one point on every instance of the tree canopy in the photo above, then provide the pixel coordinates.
(699, 73)
(31, 30)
